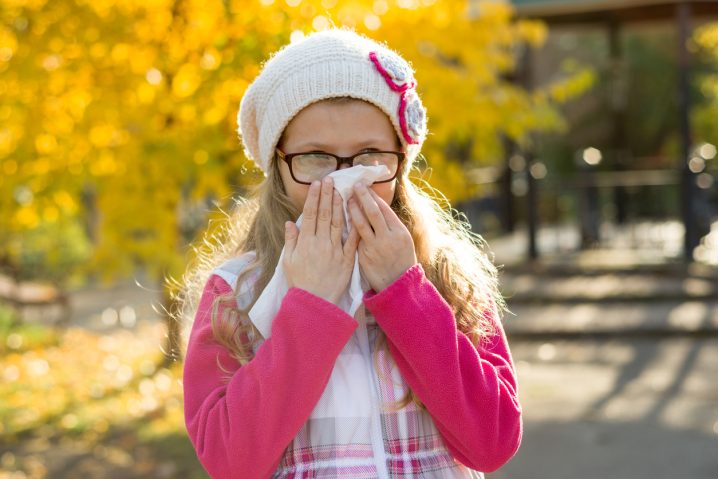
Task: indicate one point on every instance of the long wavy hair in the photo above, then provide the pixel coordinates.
(454, 259)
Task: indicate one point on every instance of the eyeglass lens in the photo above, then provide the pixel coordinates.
(314, 166)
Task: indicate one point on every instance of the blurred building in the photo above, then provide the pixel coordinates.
(630, 153)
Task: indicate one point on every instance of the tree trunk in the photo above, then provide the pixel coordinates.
(173, 341)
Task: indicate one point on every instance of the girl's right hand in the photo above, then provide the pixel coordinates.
(314, 258)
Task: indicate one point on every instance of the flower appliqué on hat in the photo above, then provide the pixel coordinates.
(399, 77)
(413, 116)
(395, 71)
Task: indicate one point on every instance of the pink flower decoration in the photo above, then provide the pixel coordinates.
(394, 70)
(412, 117)
(399, 77)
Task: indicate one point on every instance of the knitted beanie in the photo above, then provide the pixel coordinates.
(328, 64)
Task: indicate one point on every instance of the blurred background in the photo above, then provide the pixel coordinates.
(578, 137)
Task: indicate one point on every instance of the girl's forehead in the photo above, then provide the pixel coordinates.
(340, 122)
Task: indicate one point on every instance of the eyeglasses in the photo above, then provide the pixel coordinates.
(315, 165)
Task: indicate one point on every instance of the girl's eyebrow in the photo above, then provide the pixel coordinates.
(371, 143)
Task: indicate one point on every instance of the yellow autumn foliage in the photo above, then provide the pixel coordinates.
(704, 115)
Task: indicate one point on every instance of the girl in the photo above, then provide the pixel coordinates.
(418, 380)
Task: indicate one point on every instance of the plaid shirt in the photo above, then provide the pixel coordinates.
(382, 442)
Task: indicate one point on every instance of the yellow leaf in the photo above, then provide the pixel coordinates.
(27, 217)
(45, 144)
(186, 81)
(145, 93)
(120, 53)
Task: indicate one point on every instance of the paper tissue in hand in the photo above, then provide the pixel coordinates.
(268, 303)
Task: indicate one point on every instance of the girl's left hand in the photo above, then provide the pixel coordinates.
(386, 249)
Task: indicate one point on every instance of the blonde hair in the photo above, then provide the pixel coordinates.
(452, 256)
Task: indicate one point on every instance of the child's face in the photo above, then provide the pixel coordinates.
(343, 128)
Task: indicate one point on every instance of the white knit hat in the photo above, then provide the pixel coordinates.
(329, 64)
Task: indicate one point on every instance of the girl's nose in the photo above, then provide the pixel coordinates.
(345, 162)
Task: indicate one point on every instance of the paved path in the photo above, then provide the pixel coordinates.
(617, 368)
(617, 408)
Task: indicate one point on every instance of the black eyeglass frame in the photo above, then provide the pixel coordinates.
(341, 160)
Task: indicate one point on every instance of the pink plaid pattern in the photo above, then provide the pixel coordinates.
(413, 446)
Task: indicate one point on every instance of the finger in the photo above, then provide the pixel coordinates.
(390, 215)
(359, 221)
(290, 238)
(309, 220)
(324, 217)
(370, 208)
(337, 219)
(350, 246)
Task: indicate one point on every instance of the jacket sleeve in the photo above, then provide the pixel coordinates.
(241, 427)
(470, 392)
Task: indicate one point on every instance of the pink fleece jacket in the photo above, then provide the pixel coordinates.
(241, 428)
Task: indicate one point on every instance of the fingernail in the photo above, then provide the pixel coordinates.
(315, 183)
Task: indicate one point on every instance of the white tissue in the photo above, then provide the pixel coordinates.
(268, 303)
